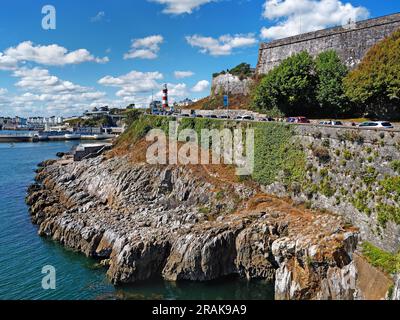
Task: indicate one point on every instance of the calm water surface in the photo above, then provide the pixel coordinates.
(23, 253)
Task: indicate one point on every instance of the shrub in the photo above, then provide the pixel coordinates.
(395, 165)
(326, 143)
(275, 152)
(326, 189)
(330, 94)
(347, 154)
(391, 187)
(387, 213)
(242, 71)
(360, 202)
(369, 175)
(322, 154)
(288, 88)
(374, 85)
(386, 261)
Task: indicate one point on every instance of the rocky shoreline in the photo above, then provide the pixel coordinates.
(145, 221)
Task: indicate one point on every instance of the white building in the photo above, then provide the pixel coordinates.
(185, 103)
(41, 121)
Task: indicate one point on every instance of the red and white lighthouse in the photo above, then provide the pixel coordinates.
(165, 97)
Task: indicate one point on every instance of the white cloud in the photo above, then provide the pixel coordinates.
(183, 74)
(40, 80)
(145, 48)
(181, 6)
(177, 90)
(300, 16)
(45, 93)
(7, 62)
(222, 46)
(141, 87)
(3, 91)
(133, 82)
(98, 17)
(201, 86)
(51, 55)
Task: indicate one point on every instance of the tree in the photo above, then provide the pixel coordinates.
(375, 84)
(330, 72)
(289, 88)
(242, 71)
(132, 115)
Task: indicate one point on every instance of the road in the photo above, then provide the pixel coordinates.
(314, 123)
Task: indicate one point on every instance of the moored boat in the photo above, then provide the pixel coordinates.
(72, 136)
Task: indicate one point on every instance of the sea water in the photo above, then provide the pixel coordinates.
(23, 253)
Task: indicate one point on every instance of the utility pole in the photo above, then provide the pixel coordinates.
(227, 94)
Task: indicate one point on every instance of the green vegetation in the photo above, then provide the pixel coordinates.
(387, 213)
(220, 195)
(133, 115)
(279, 157)
(100, 122)
(391, 187)
(141, 126)
(301, 85)
(375, 85)
(204, 210)
(322, 153)
(347, 155)
(369, 175)
(326, 188)
(323, 87)
(395, 165)
(242, 70)
(275, 152)
(386, 261)
(329, 92)
(360, 202)
(289, 88)
(199, 124)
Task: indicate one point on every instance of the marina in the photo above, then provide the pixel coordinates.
(12, 137)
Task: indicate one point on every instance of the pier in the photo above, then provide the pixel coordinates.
(15, 139)
(41, 138)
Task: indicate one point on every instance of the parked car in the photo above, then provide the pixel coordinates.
(302, 120)
(248, 118)
(331, 123)
(269, 119)
(376, 124)
(298, 120)
(223, 117)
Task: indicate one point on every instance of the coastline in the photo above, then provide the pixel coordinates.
(145, 222)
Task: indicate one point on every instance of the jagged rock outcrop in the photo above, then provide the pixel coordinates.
(396, 290)
(228, 83)
(147, 221)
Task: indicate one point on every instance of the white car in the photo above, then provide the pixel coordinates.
(376, 124)
(331, 123)
(248, 118)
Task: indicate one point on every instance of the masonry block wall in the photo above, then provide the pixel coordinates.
(351, 43)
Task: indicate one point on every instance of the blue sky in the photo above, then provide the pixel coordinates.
(118, 52)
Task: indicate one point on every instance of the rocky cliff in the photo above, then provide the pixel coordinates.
(231, 84)
(188, 223)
